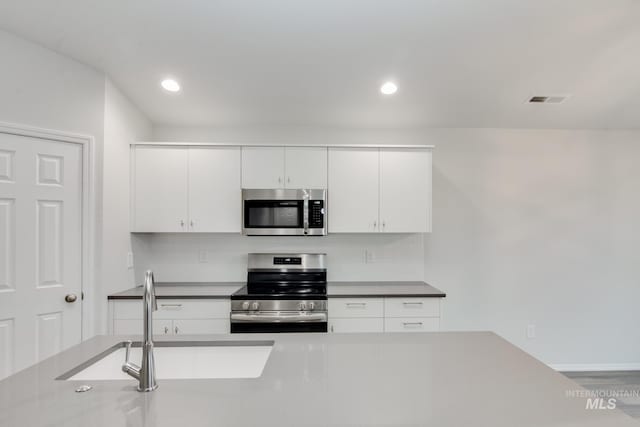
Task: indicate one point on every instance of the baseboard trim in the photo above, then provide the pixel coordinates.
(588, 367)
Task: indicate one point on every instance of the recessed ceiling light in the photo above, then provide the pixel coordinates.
(170, 85)
(389, 88)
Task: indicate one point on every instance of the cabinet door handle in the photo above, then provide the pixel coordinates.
(166, 330)
(279, 180)
(375, 224)
(331, 328)
(193, 223)
(182, 223)
(175, 329)
(289, 179)
(383, 225)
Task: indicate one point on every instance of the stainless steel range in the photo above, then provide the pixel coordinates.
(284, 293)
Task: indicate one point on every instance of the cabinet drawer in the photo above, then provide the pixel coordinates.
(356, 325)
(134, 327)
(201, 326)
(175, 309)
(356, 307)
(412, 307)
(412, 324)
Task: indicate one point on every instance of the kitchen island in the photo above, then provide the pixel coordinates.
(428, 379)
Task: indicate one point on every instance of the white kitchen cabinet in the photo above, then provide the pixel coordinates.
(173, 317)
(284, 167)
(412, 307)
(263, 167)
(214, 190)
(405, 190)
(412, 324)
(186, 189)
(353, 190)
(356, 307)
(160, 189)
(201, 326)
(379, 190)
(305, 167)
(134, 327)
(388, 314)
(356, 325)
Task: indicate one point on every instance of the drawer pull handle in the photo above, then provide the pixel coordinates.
(409, 324)
(356, 304)
(412, 304)
(171, 306)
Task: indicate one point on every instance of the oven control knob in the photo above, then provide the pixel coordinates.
(255, 305)
(303, 306)
(312, 306)
(245, 305)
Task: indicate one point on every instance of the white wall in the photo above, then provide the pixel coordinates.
(540, 227)
(40, 88)
(530, 227)
(123, 124)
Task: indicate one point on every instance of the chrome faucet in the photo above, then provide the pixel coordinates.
(145, 374)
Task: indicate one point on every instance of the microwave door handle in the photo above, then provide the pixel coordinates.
(305, 214)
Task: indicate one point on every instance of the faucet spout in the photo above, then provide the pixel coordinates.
(146, 372)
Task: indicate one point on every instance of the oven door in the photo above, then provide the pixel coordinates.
(278, 321)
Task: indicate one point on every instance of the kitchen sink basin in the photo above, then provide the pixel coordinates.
(180, 360)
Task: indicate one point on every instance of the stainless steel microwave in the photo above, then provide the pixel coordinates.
(284, 212)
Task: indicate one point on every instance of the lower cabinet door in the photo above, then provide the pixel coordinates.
(201, 326)
(134, 327)
(356, 325)
(412, 324)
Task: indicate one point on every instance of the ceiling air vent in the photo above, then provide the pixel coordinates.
(556, 99)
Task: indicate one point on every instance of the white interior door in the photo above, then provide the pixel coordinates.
(353, 190)
(40, 249)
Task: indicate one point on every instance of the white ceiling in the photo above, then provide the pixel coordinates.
(458, 63)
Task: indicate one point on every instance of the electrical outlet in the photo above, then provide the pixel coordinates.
(531, 331)
(129, 260)
(370, 256)
(203, 256)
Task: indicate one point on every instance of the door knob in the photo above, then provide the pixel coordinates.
(70, 298)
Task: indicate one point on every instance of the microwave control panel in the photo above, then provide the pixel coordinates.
(316, 213)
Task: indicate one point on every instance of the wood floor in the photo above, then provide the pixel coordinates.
(626, 381)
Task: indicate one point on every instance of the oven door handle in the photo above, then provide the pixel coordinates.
(278, 317)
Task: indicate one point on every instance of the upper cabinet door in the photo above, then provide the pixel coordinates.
(214, 190)
(353, 190)
(305, 167)
(405, 190)
(160, 185)
(262, 167)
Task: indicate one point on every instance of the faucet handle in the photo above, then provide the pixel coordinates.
(128, 351)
